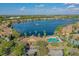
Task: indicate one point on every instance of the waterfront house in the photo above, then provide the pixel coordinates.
(67, 30)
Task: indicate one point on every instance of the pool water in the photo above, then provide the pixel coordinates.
(53, 40)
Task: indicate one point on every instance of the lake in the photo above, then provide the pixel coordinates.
(40, 27)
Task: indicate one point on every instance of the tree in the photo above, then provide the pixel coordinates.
(43, 50)
(1, 19)
(45, 33)
(18, 50)
(5, 47)
(66, 53)
(15, 33)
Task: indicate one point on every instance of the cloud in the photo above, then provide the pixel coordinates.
(71, 6)
(71, 3)
(22, 8)
(40, 5)
(42, 9)
(54, 8)
(74, 9)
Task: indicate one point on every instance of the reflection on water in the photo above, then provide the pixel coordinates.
(40, 27)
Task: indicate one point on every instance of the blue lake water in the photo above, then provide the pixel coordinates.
(39, 27)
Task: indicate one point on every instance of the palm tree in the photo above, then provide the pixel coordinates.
(39, 34)
(44, 33)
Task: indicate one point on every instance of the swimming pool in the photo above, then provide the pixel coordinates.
(53, 40)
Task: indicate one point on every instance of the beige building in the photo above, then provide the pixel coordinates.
(67, 30)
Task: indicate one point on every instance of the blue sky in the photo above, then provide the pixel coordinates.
(38, 8)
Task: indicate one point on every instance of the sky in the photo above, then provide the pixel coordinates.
(39, 8)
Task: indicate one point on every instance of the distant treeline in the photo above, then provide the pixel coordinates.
(39, 16)
(54, 16)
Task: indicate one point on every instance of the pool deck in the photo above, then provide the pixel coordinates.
(54, 37)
